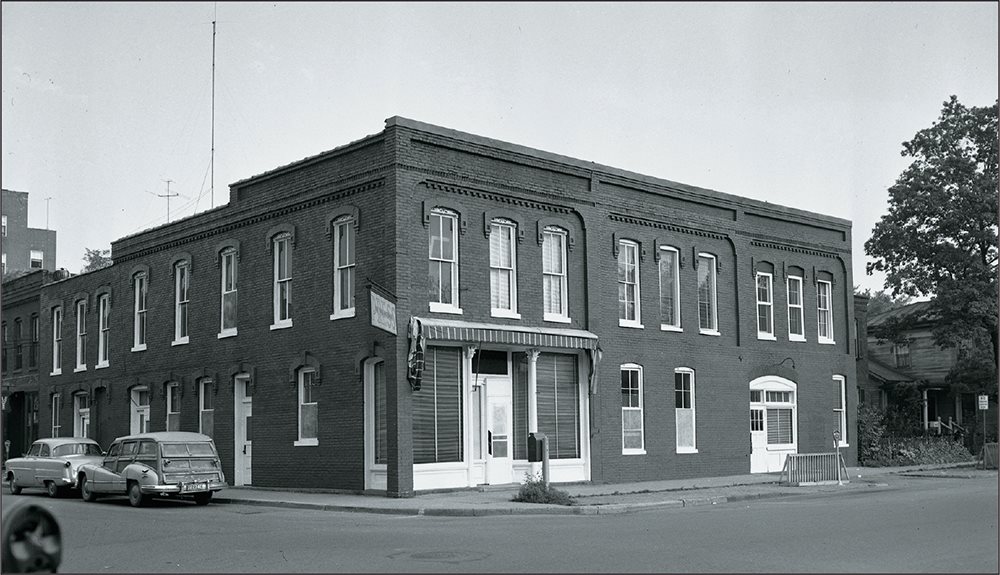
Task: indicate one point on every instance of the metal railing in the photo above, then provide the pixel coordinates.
(952, 426)
(814, 468)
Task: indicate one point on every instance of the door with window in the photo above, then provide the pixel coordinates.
(243, 426)
(140, 410)
(773, 423)
(499, 430)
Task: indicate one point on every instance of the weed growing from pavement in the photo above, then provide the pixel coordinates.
(534, 490)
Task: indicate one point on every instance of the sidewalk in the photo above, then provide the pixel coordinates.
(591, 499)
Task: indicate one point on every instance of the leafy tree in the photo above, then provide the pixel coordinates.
(881, 301)
(95, 259)
(939, 238)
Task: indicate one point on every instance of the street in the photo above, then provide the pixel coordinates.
(912, 525)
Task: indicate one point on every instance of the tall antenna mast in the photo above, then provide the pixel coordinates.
(212, 162)
(168, 195)
(47, 212)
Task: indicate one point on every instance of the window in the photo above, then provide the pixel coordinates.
(81, 415)
(708, 322)
(765, 307)
(173, 407)
(282, 281)
(670, 289)
(4, 228)
(3, 263)
(796, 324)
(139, 312)
(206, 407)
(558, 404)
(18, 353)
(56, 424)
(57, 340)
(36, 259)
(780, 406)
(443, 257)
(181, 277)
(632, 435)
(228, 313)
(5, 344)
(140, 410)
(503, 269)
(824, 316)
(437, 408)
(35, 336)
(684, 410)
(554, 285)
(343, 268)
(628, 284)
(901, 352)
(81, 335)
(104, 311)
(840, 412)
(308, 408)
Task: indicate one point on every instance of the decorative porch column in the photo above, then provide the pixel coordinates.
(533, 399)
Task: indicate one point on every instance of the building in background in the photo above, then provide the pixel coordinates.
(24, 249)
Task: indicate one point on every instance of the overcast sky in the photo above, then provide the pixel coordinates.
(799, 104)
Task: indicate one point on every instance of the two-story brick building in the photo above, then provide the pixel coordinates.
(399, 313)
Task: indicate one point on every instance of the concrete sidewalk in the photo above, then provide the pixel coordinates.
(590, 498)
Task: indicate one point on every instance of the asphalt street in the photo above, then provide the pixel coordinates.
(915, 524)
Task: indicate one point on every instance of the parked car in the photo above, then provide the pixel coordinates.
(159, 464)
(51, 463)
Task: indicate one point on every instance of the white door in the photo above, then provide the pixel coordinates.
(499, 430)
(758, 440)
(243, 425)
(140, 410)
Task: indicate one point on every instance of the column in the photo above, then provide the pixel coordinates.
(533, 399)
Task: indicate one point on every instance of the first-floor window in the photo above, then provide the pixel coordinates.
(684, 410)
(206, 407)
(780, 424)
(437, 408)
(56, 425)
(173, 407)
(558, 404)
(840, 411)
(308, 408)
(379, 406)
(632, 435)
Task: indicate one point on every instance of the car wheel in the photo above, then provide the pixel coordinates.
(52, 489)
(203, 498)
(135, 496)
(12, 485)
(86, 491)
(31, 540)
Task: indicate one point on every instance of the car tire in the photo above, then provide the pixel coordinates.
(203, 498)
(86, 491)
(12, 485)
(52, 489)
(135, 495)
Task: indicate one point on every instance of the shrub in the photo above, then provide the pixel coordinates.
(871, 434)
(893, 451)
(534, 490)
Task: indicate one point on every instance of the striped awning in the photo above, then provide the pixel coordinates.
(481, 333)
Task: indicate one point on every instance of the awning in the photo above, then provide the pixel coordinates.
(484, 333)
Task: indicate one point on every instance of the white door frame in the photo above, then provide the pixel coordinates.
(242, 409)
(774, 458)
(499, 434)
(375, 473)
(139, 413)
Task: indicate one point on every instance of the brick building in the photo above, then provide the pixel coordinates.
(397, 314)
(24, 249)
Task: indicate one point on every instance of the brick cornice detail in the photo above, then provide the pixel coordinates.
(496, 197)
(664, 226)
(812, 249)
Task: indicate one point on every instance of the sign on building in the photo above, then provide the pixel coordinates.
(383, 313)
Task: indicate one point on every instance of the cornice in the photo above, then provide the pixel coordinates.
(496, 197)
(774, 244)
(622, 218)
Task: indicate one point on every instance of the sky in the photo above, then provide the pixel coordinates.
(798, 104)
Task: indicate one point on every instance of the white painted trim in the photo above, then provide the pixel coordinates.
(228, 333)
(306, 442)
(557, 318)
(283, 324)
(342, 314)
(444, 308)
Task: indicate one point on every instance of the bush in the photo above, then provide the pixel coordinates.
(533, 490)
(894, 451)
(871, 433)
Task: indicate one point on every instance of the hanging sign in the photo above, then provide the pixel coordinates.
(383, 313)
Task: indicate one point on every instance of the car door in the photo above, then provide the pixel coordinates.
(125, 458)
(42, 465)
(101, 478)
(24, 468)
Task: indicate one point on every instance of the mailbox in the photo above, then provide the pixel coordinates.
(536, 446)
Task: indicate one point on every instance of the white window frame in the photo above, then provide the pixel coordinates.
(79, 413)
(633, 367)
(4, 226)
(182, 298)
(104, 337)
(768, 303)
(56, 340)
(205, 386)
(841, 412)
(709, 261)
(343, 228)
(440, 214)
(173, 407)
(626, 247)
(821, 286)
(499, 228)
(675, 275)
(795, 309)
(282, 244)
(81, 336)
(54, 412)
(301, 441)
(555, 274)
(32, 259)
(229, 267)
(140, 288)
(694, 421)
(3, 262)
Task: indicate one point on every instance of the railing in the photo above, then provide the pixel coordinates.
(987, 457)
(952, 426)
(814, 469)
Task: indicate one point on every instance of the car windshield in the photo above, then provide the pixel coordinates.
(76, 449)
(200, 449)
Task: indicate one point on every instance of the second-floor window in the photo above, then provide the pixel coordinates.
(57, 340)
(824, 315)
(901, 351)
(503, 269)
(282, 281)
(81, 335)
(765, 307)
(228, 298)
(181, 302)
(670, 289)
(35, 336)
(628, 284)
(104, 339)
(443, 257)
(796, 324)
(555, 296)
(708, 321)
(343, 268)
(139, 285)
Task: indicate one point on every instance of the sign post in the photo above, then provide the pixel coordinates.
(984, 405)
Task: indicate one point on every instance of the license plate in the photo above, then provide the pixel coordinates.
(191, 487)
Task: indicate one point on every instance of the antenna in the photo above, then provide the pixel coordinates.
(167, 195)
(47, 212)
(212, 162)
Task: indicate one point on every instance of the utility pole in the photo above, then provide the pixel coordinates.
(212, 162)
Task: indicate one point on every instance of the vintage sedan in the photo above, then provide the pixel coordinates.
(158, 464)
(51, 463)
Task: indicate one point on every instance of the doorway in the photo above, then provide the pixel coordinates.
(773, 423)
(499, 430)
(243, 430)
(140, 410)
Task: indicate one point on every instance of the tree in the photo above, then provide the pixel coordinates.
(881, 301)
(939, 238)
(96, 259)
